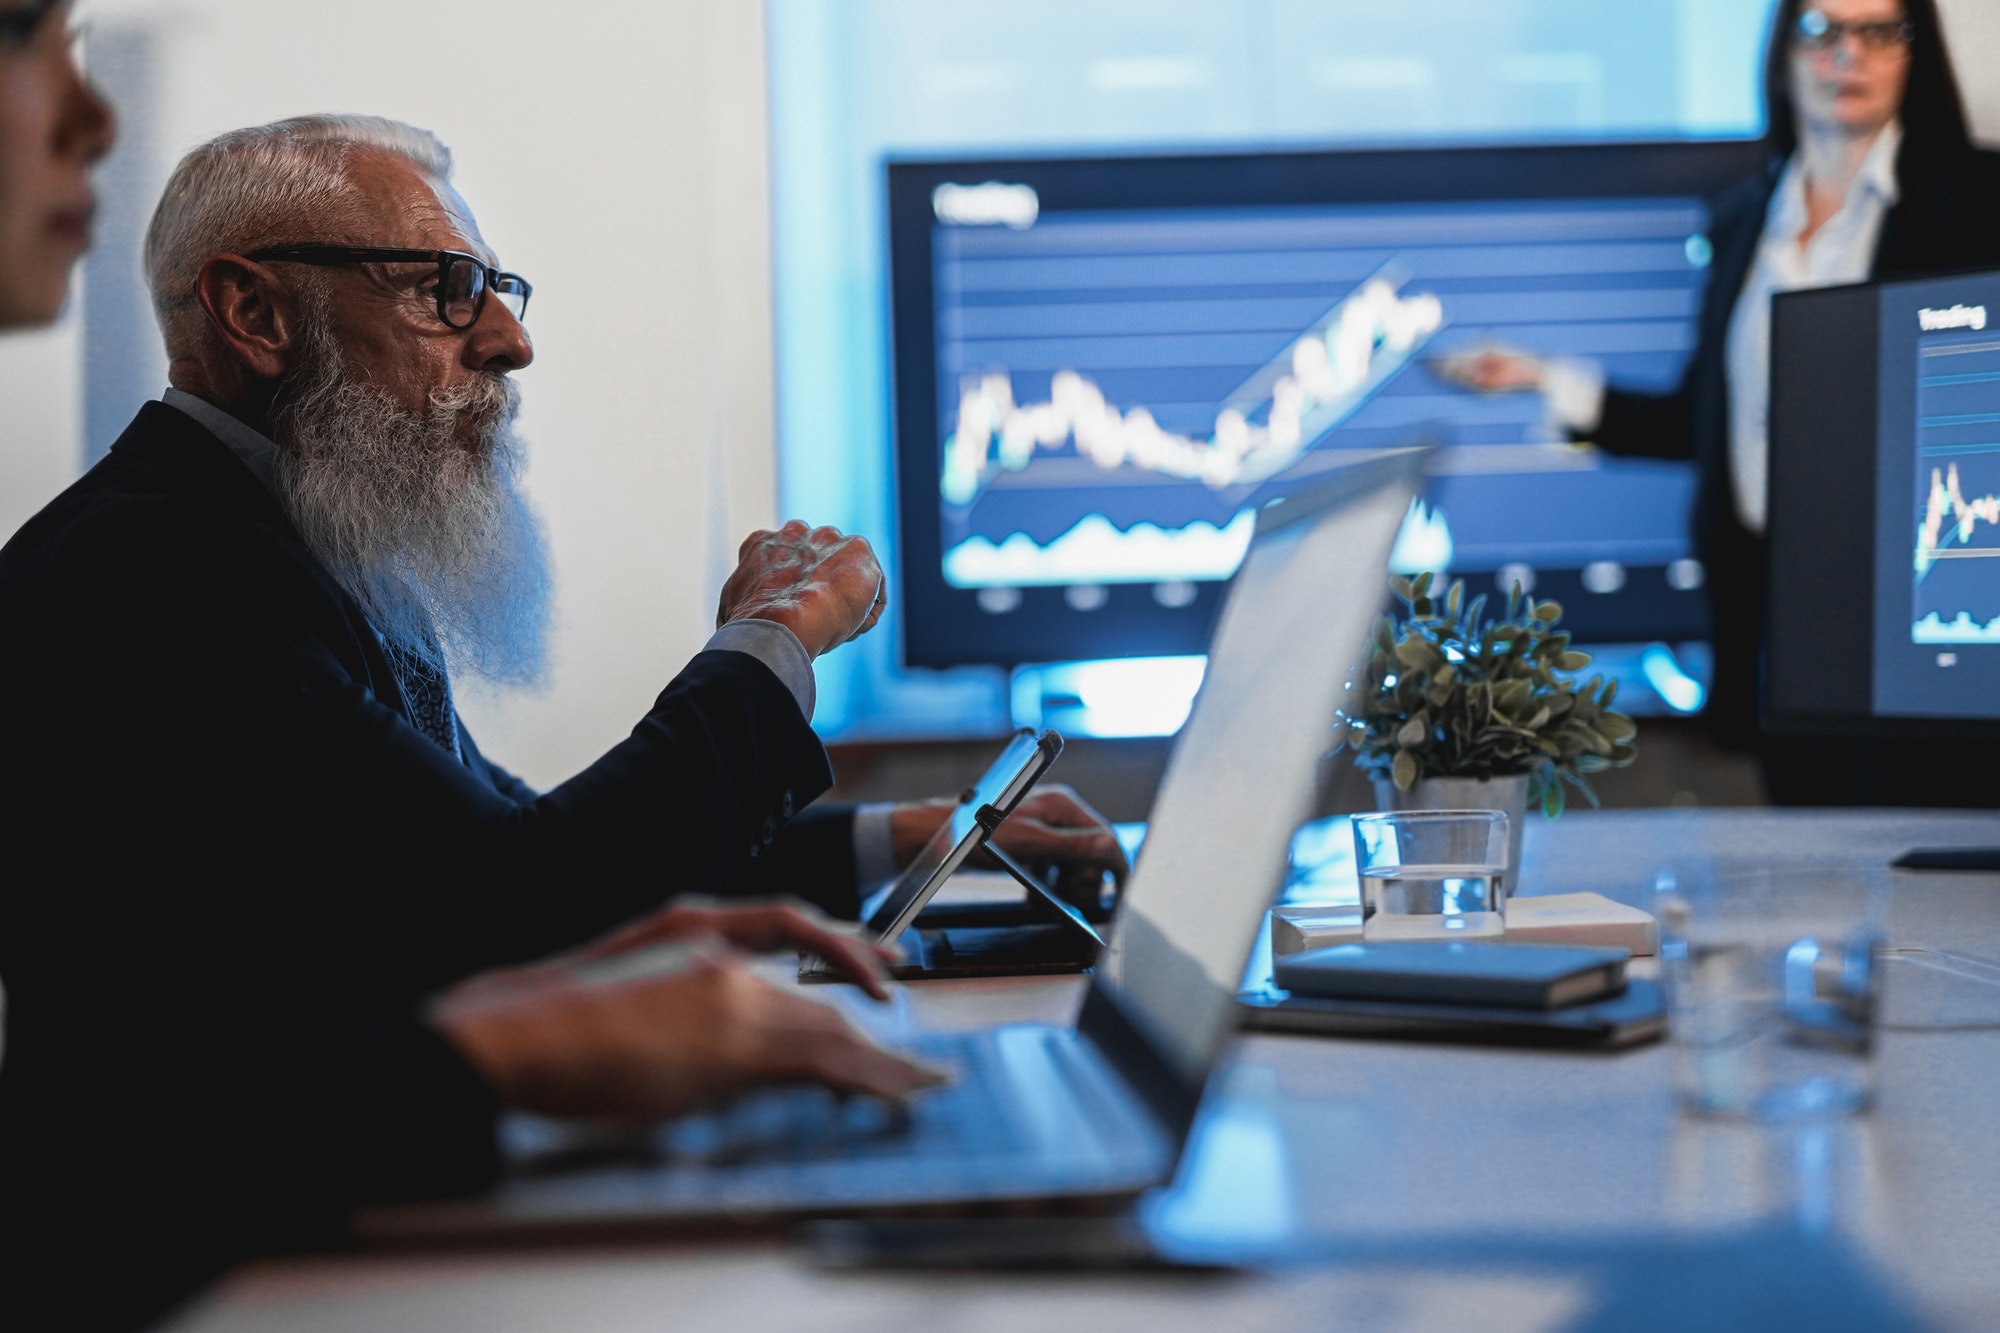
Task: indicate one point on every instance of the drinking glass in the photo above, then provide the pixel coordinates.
(1774, 978)
(1431, 874)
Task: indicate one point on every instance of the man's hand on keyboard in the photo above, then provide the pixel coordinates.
(755, 927)
(549, 1040)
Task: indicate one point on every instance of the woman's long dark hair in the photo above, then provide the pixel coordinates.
(1932, 114)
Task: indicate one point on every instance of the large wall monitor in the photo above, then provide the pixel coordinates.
(1885, 509)
(1104, 366)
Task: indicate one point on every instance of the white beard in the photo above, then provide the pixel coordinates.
(434, 540)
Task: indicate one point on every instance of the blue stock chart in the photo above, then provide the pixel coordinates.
(1957, 488)
(1118, 393)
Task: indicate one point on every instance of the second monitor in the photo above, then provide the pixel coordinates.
(1885, 510)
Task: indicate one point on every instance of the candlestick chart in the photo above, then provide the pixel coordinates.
(1956, 554)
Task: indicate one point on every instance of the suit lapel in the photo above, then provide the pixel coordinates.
(167, 441)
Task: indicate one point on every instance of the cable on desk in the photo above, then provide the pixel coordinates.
(1950, 964)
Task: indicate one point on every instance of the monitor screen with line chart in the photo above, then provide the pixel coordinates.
(1105, 365)
(1885, 514)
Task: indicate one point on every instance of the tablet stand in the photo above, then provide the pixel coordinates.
(989, 820)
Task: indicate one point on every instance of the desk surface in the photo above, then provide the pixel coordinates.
(1494, 1188)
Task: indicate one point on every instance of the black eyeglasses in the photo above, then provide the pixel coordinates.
(462, 279)
(1817, 32)
(19, 25)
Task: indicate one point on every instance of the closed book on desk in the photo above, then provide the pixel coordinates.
(1581, 918)
(1637, 1013)
(1527, 976)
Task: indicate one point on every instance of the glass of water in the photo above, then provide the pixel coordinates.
(1774, 976)
(1431, 874)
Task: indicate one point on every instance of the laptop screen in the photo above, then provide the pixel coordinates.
(1244, 771)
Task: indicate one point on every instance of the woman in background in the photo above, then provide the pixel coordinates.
(52, 127)
(1871, 174)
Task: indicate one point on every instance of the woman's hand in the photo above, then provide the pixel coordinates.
(1493, 369)
(695, 1026)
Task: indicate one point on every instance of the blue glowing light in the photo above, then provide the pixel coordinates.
(1683, 693)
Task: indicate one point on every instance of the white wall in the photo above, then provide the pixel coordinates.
(1973, 28)
(615, 154)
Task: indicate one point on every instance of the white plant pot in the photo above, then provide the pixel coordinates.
(1509, 795)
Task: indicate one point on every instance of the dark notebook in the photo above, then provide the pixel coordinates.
(1465, 972)
(1637, 1013)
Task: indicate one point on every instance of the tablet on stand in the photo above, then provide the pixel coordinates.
(1060, 940)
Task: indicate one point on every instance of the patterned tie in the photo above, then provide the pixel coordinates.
(428, 693)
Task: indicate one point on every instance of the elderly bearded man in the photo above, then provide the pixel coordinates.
(259, 835)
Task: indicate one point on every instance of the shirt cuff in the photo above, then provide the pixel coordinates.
(1573, 391)
(874, 846)
(777, 648)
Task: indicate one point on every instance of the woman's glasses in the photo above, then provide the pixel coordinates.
(463, 280)
(1816, 32)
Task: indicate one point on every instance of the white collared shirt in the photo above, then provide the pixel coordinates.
(1841, 251)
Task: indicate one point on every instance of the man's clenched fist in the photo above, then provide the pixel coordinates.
(824, 587)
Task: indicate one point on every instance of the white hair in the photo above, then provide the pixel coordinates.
(267, 185)
(433, 538)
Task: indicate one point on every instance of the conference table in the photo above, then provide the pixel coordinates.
(1402, 1184)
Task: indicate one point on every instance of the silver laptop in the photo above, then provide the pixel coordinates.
(1099, 1109)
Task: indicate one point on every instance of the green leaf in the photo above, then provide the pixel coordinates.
(1419, 654)
(1405, 772)
(1617, 727)
(1414, 732)
(1549, 611)
(1572, 661)
(1455, 599)
(1422, 587)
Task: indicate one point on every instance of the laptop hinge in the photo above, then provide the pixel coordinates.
(1171, 1098)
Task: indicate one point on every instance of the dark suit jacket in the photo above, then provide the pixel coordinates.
(237, 869)
(1947, 216)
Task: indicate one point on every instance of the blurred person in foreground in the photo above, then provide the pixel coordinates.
(53, 126)
(1870, 173)
(252, 971)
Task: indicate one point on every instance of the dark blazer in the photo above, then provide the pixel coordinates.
(236, 869)
(1947, 216)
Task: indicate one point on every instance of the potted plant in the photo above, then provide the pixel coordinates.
(1458, 712)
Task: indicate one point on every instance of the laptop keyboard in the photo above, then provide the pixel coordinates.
(967, 1116)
